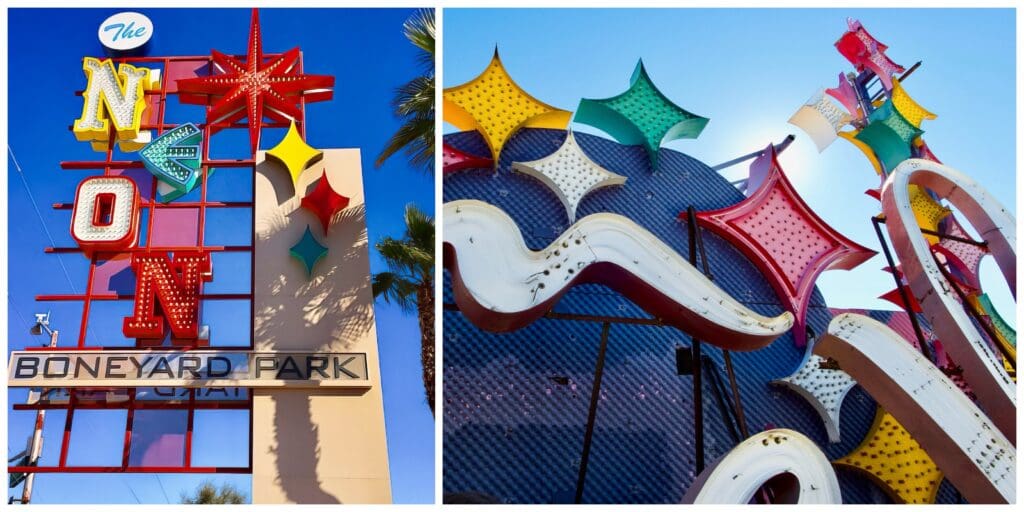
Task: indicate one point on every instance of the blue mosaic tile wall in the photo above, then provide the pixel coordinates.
(515, 404)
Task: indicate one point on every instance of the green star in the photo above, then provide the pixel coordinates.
(641, 115)
(308, 251)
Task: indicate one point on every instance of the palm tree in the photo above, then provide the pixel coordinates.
(208, 494)
(414, 101)
(409, 283)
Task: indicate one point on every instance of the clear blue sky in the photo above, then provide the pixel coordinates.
(750, 69)
(369, 57)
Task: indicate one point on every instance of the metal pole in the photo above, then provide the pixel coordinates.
(925, 349)
(36, 448)
(779, 148)
(595, 395)
(698, 394)
(738, 403)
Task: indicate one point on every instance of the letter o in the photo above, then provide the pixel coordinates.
(106, 214)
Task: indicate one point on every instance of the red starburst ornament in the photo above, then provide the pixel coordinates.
(324, 202)
(255, 89)
(455, 160)
(784, 238)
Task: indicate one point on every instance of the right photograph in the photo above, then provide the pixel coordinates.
(735, 256)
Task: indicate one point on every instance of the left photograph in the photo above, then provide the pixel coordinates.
(220, 256)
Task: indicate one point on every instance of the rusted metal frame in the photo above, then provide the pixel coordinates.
(595, 395)
(925, 348)
(698, 383)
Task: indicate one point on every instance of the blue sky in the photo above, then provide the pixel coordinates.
(750, 69)
(369, 57)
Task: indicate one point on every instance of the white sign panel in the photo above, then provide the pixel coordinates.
(125, 31)
(185, 368)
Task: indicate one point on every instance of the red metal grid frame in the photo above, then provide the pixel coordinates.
(151, 205)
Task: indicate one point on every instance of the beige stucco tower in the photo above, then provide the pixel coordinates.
(310, 445)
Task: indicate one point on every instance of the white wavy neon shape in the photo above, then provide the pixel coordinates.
(982, 369)
(734, 478)
(501, 285)
(964, 443)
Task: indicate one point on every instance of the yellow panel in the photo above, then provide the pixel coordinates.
(894, 461)
(497, 107)
(910, 109)
(927, 211)
(849, 135)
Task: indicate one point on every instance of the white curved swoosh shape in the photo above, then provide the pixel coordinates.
(975, 456)
(735, 477)
(982, 369)
(501, 285)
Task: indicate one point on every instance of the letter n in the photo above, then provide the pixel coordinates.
(175, 286)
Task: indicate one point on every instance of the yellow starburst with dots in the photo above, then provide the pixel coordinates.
(294, 154)
(927, 211)
(493, 104)
(114, 96)
(894, 460)
(911, 110)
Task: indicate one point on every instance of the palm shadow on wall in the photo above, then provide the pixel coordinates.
(326, 307)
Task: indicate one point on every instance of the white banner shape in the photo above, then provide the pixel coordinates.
(734, 478)
(959, 437)
(985, 373)
(501, 285)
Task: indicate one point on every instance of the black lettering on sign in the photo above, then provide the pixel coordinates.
(340, 368)
(289, 366)
(189, 364)
(138, 366)
(49, 364)
(112, 366)
(94, 370)
(320, 367)
(162, 366)
(265, 363)
(26, 364)
(211, 373)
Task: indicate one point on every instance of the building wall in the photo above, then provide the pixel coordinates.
(313, 446)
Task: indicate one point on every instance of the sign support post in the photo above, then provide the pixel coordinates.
(36, 447)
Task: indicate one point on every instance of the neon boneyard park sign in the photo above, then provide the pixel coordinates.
(501, 285)
(108, 210)
(192, 368)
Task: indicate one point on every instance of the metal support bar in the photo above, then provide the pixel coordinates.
(35, 449)
(925, 348)
(779, 148)
(737, 404)
(902, 77)
(698, 383)
(595, 395)
(718, 391)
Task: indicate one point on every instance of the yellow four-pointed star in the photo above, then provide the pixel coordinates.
(493, 104)
(293, 153)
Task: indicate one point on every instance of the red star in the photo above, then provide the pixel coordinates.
(255, 89)
(454, 160)
(784, 238)
(324, 202)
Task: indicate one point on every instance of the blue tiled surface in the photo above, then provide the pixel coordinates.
(516, 403)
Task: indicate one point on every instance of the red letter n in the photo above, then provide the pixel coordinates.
(176, 285)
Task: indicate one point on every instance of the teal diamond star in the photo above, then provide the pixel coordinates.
(308, 251)
(641, 115)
